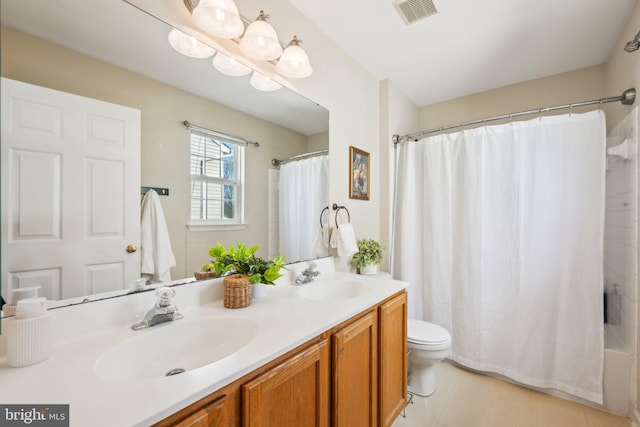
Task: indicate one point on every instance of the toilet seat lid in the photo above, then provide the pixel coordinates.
(421, 332)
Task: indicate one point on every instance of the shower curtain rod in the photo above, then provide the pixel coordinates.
(276, 162)
(233, 139)
(627, 98)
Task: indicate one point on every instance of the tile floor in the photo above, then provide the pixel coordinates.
(467, 399)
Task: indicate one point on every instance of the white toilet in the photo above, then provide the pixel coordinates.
(428, 344)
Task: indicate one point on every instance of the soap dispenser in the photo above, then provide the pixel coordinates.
(17, 295)
(29, 333)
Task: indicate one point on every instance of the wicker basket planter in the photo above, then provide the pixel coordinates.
(237, 291)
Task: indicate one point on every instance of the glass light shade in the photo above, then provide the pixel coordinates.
(219, 18)
(294, 61)
(260, 40)
(229, 66)
(264, 83)
(188, 45)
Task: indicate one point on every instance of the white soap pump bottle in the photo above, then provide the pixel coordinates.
(29, 333)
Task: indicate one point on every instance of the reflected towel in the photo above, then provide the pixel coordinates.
(156, 256)
(321, 244)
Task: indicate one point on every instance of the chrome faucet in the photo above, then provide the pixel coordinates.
(162, 312)
(308, 274)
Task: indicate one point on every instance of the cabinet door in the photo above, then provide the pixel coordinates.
(355, 375)
(211, 415)
(392, 356)
(295, 393)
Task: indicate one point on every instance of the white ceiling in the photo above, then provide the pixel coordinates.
(471, 46)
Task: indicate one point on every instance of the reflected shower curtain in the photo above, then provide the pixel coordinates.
(304, 192)
(499, 231)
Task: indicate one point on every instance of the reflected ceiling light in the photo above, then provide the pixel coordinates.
(219, 18)
(264, 83)
(189, 46)
(260, 40)
(229, 66)
(294, 61)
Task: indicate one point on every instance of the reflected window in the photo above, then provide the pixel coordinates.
(216, 179)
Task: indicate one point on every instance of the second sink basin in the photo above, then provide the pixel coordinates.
(331, 290)
(175, 347)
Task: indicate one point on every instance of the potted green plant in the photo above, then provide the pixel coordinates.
(240, 259)
(368, 257)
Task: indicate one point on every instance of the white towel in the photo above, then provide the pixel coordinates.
(156, 256)
(321, 244)
(346, 240)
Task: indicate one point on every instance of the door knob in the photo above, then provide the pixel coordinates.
(131, 248)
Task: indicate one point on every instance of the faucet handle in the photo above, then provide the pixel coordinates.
(165, 294)
(311, 266)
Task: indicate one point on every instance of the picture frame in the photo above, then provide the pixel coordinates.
(359, 174)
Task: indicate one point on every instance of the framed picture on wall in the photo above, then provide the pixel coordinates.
(359, 174)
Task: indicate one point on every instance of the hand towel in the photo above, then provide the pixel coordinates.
(347, 244)
(156, 256)
(333, 242)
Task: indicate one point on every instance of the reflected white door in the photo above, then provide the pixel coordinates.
(70, 192)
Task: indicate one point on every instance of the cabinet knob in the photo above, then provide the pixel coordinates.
(131, 248)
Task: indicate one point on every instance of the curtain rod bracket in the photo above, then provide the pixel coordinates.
(629, 96)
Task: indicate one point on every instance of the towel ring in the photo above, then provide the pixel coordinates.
(338, 209)
(322, 213)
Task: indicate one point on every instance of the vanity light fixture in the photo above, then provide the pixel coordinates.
(229, 66)
(219, 18)
(189, 45)
(260, 40)
(294, 61)
(264, 83)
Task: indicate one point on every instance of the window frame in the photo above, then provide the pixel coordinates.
(238, 222)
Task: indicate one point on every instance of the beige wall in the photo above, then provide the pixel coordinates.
(317, 142)
(398, 115)
(580, 85)
(165, 141)
(623, 69)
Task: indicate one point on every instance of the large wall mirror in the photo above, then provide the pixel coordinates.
(110, 51)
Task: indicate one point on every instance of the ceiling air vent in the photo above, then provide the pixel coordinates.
(414, 10)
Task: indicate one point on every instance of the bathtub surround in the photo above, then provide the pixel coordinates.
(502, 225)
(620, 267)
(620, 244)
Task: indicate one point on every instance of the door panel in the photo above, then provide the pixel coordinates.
(70, 192)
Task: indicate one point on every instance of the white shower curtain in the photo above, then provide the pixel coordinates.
(304, 192)
(499, 231)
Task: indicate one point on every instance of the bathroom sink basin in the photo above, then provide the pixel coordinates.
(175, 347)
(331, 290)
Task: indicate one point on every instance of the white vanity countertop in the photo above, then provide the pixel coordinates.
(286, 320)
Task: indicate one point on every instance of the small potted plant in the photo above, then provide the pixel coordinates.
(368, 257)
(240, 263)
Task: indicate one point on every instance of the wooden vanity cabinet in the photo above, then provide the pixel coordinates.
(352, 375)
